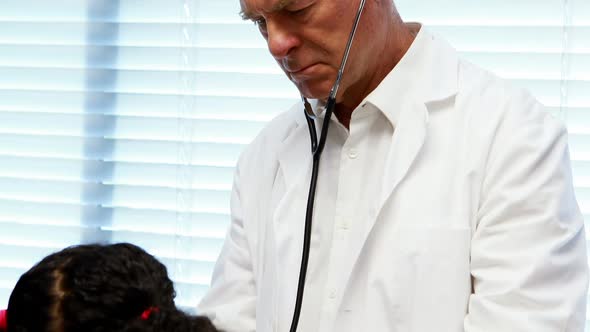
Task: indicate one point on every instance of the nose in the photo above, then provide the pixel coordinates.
(281, 39)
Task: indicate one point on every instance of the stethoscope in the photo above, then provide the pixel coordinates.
(316, 149)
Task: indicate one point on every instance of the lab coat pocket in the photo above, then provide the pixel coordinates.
(443, 281)
(425, 273)
(393, 259)
(417, 279)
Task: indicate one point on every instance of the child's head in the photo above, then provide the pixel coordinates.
(92, 288)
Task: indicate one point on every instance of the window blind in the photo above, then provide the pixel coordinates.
(122, 120)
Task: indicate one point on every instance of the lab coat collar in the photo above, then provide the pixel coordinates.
(428, 72)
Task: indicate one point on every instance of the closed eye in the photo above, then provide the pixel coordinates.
(300, 11)
(297, 12)
(259, 21)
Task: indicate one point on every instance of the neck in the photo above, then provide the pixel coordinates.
(398, 42)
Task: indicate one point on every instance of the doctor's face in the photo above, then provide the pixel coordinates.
(307, 38)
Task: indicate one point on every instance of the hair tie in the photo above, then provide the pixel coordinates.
(3, 320)
(145, 315)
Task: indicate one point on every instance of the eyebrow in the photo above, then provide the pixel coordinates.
(249, 15)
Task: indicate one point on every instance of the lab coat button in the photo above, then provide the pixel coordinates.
(352, 153)
(332, 294)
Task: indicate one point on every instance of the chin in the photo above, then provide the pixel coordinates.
(320, 90)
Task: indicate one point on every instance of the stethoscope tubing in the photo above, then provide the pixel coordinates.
(317, 149)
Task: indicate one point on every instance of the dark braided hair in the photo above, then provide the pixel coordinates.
(98, 288)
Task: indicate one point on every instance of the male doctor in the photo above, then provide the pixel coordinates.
(444, 201)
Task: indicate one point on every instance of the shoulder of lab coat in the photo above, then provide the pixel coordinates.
(231, 300)
(528, 254)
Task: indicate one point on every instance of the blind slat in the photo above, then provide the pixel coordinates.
(124, 218)
(133, 128)
(210, 154)
(214, 201)
(210, 107)
(240, 84)
(166, 175)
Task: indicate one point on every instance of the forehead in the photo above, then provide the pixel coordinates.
(250, 8)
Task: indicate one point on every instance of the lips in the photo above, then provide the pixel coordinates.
(298, 69)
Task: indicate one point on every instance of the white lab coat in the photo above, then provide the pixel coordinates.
(477, 229)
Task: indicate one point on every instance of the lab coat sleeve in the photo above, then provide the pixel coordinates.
(528, 252)
(231, 300)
